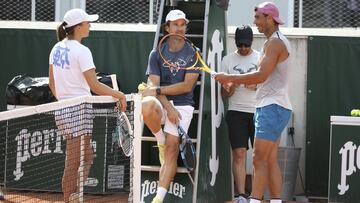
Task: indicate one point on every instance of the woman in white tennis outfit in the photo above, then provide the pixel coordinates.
(72, 74)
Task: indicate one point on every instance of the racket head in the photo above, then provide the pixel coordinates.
(187, 150)
(195, 61)
(124, 133)
(191, 60)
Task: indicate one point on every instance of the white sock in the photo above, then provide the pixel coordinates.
(275, 201)
(160, 136)
(160, 193)
(252, 200)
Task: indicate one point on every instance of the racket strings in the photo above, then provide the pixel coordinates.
(127, 147)
(190, 158)
(124, 132)
(187, 150)
(168, 62)
(199, 64)
(125, 135)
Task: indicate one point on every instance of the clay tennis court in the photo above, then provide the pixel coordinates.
(44, 197)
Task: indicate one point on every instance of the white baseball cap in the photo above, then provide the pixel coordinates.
(176, 15)
(76, 16)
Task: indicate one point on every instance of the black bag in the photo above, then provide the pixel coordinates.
(106, 79)
(25, 90)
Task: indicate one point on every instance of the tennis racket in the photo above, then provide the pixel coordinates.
(123, 132)
(187, 150)
(197, 56)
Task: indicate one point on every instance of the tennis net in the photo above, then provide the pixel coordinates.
(33, 142)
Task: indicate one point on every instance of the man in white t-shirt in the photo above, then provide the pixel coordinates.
(240, 114)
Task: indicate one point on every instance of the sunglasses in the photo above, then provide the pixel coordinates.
(244, 45)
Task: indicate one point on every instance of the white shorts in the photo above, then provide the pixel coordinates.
(75, 121)
(186, 113)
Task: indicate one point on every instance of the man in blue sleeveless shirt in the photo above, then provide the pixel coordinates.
(273, 108)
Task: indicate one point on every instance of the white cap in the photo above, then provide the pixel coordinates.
(176, 15)
(76, 16)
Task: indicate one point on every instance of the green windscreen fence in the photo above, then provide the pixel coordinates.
(333, 88)
(214, 177)
(26, 51)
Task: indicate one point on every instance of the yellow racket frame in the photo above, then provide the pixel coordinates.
(204, 67)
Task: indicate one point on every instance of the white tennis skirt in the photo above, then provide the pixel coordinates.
(75, 121)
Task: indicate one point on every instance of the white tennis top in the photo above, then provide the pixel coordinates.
(70, 59)
(275, 88)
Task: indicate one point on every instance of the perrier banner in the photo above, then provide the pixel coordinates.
(35, 155)
(214, 172)
(344, 165)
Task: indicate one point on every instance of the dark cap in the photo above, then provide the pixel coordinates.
(243, 35)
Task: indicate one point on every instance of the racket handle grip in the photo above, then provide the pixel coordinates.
(212, 73)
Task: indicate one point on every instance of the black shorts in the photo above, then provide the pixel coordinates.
(241, 128)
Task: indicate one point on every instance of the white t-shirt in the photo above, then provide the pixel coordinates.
(243, 98)
(70, 59)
